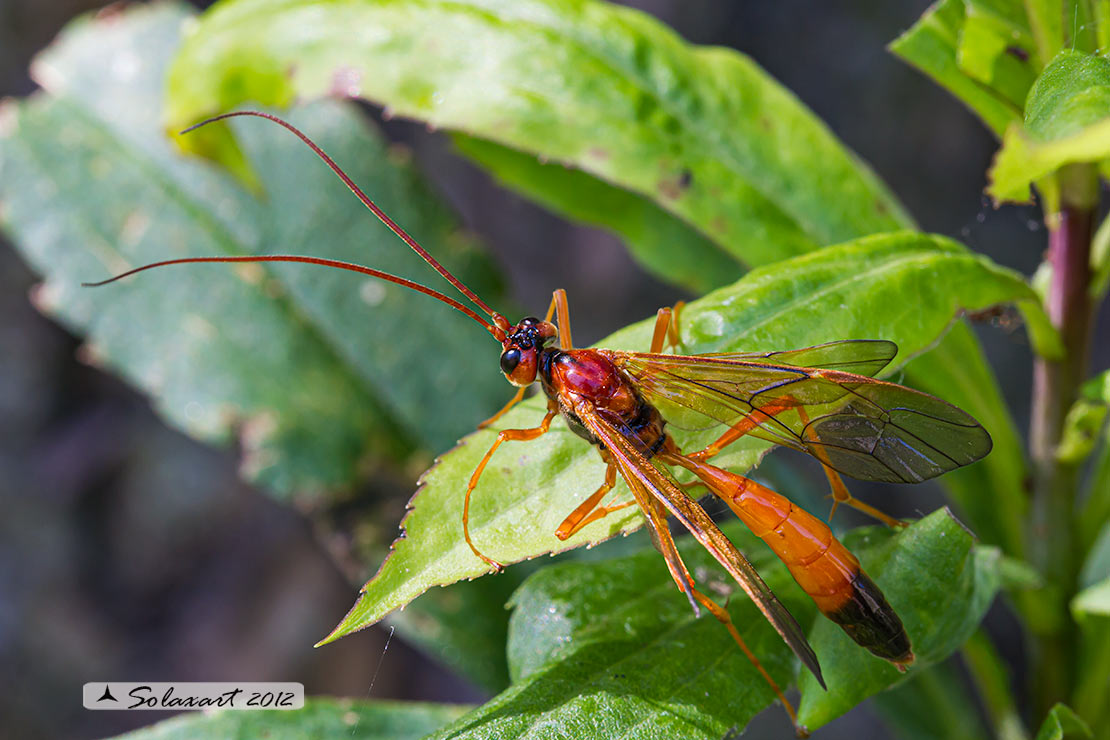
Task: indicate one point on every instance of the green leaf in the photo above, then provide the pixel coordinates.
(933, 704)
(856, 290)
(938, 582)
(1018, 575)
(933, 45)
(1093, 600)
(1085, 420)
(1063, 724)
(1096, 568)
(560, 610)
(852, 290)
(612, 649)
(1062, 24)
(326, 719)
(304, 366)
(1072, 93)
(991, 676)
(464, 626)
(996, 48)
(1100, 251)
(1091, 610)
(991, 493)
(701, 131)
(1094, 397)
(1067, 121)
(1097, 389)
(663, 244)
(1096, 509)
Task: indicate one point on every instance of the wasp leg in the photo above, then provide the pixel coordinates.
(515, 435)
(661, 536)
(589, 511)
(504, 409)
(666, 332)
(724, 618)
(562, 317)
(840, 492)
(841, 495)
(743, 426)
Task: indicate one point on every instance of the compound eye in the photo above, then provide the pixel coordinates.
(510, 358)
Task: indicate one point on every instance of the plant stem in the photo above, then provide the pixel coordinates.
(1055, 387)
(993, 682)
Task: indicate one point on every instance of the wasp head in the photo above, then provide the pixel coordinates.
(521, 349)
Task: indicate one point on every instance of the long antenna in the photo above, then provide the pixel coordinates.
(496, 331)
(404, 235)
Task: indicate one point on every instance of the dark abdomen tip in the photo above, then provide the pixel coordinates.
(872, 623)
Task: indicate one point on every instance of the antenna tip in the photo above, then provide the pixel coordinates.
(189, 129)
(236, 114)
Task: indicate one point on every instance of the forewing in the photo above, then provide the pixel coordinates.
(643, 478)
(891, 433)
(861, 356)
(865, 428)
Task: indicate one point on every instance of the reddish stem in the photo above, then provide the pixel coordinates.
(1055, 387)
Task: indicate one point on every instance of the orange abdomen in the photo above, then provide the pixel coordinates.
(823, 567)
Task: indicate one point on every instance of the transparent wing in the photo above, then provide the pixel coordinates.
(861, 356)
(862, 427)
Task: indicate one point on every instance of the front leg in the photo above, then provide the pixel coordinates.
(504, 409)
(517, 435)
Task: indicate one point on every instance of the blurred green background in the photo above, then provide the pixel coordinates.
(128, 551)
